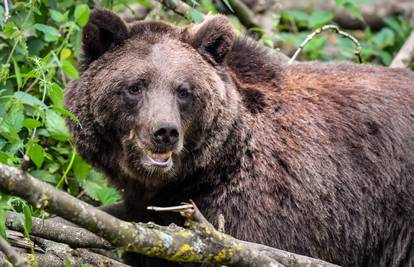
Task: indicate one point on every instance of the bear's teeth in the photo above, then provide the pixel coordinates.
(159, 156)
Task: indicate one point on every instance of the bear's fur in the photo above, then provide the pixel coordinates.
(313, 158)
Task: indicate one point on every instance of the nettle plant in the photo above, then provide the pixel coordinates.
(39, 47)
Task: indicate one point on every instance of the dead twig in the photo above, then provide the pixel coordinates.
(336, 30)
(405, 55)
(13, 256)
(6, 11)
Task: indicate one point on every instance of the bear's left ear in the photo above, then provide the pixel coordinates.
(212, 38)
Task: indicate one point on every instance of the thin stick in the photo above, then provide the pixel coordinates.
(180, 208)
(6, 11)
(405, 55)
(336, 30)
(15, 258)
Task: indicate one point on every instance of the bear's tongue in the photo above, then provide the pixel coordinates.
(159, 158)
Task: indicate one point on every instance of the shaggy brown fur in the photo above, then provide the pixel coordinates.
(313, 158)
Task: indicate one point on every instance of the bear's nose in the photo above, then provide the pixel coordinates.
(166, 135)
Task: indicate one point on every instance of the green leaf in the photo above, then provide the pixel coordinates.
(44, 176)
(30, 100)
(320, 18)
(384, 38)
(51, 34)
(393, 24)
(297, 15)
(58, 16)
(67, 113)
(68, 263)
(12, 124)
(55, 94)
(69, 69)
(80, 168)
(65, 53)
(354, 10)
(36, 154)
(108, 195)
(27, 219)
(17, 74)
(82, 14)
(93, 183)
(226, 2)
(31, 123)
(56, 126)
(386, 57)
(3, 216)
(196, 16)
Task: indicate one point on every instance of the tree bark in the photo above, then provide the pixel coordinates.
(168, 242)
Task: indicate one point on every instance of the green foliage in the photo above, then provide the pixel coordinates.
(40, 47)
(377, 47)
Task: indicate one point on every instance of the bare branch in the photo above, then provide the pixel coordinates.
(174, 208)
(6, 11)
(405, 55)
(178, 7)
(244, 14)
(15, 258)
(323, 29)
(241, 11)
(170, 243)
(59, 232)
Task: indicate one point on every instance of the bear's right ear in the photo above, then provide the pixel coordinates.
(104, 30)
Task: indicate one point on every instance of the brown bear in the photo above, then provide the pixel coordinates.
(314, 158)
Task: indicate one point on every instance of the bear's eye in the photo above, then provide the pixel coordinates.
(136, 88)
(184, 91)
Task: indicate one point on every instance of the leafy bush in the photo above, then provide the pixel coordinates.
(40, 45)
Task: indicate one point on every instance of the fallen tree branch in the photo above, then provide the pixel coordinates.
(170, 243)
(336, 30)
(13, 256)
(56, 254)
(244, 14)
(405, 55)
(241, 11)
(74, 236)
(178, 6)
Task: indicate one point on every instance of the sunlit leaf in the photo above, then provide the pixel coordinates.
(30, 100)
(82, 14)
(36, 154)
(69, 69)
(58, 16)
(55, 94)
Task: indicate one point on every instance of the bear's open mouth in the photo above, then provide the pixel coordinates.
(160, 159)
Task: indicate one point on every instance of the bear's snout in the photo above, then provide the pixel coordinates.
(166, 136)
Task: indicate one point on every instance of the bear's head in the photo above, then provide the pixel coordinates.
(154, 101)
